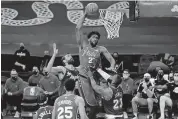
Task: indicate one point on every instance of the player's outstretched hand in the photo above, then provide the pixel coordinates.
(55, 50)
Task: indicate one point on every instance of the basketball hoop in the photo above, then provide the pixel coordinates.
(112, 21)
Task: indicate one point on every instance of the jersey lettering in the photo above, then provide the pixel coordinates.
(65, 112)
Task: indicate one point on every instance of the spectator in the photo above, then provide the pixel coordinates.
(35, 78)
(50, 84)
(127, 85)
(171, 77)
(45, 60)
(170, 100)
(21, 58)
(159, 82)
(13, 91)
(145, 96)
(116, 58)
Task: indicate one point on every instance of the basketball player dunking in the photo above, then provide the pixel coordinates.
(90, 51)
(68, 106)
(89, 54)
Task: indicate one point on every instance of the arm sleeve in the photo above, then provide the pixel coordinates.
(140, 88)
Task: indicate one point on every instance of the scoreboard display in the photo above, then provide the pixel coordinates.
(157, 8)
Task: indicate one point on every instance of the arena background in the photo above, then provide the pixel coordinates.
(155, 32)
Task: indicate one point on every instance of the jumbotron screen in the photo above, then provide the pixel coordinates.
(158, 8)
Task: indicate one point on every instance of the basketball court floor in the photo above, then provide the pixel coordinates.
(148, 35)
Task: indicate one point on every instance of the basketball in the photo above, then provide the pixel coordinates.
(91, 8)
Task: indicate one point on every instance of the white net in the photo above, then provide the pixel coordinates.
(111, 21)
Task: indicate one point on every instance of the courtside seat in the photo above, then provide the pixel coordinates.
(144, 109)
(29, 106)
(175, 110)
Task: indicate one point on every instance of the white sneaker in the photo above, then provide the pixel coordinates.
(125, 115)
(17, 115)
(150, 116)
(135, 117)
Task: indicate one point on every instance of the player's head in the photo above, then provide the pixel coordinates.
(14, 74)
(93, 38)
(70, 85)
(104, 83)
(67, 59)
(176, 76)
(116, 80)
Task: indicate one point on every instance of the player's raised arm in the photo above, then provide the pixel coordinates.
(50, 67)
(81, 105)
(51, 62)
(108, 56)
(79, 33)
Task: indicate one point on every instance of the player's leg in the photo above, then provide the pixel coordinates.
(93, 111)
(164, 100)
(150, 106)
(126, 102)
(135, 102)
